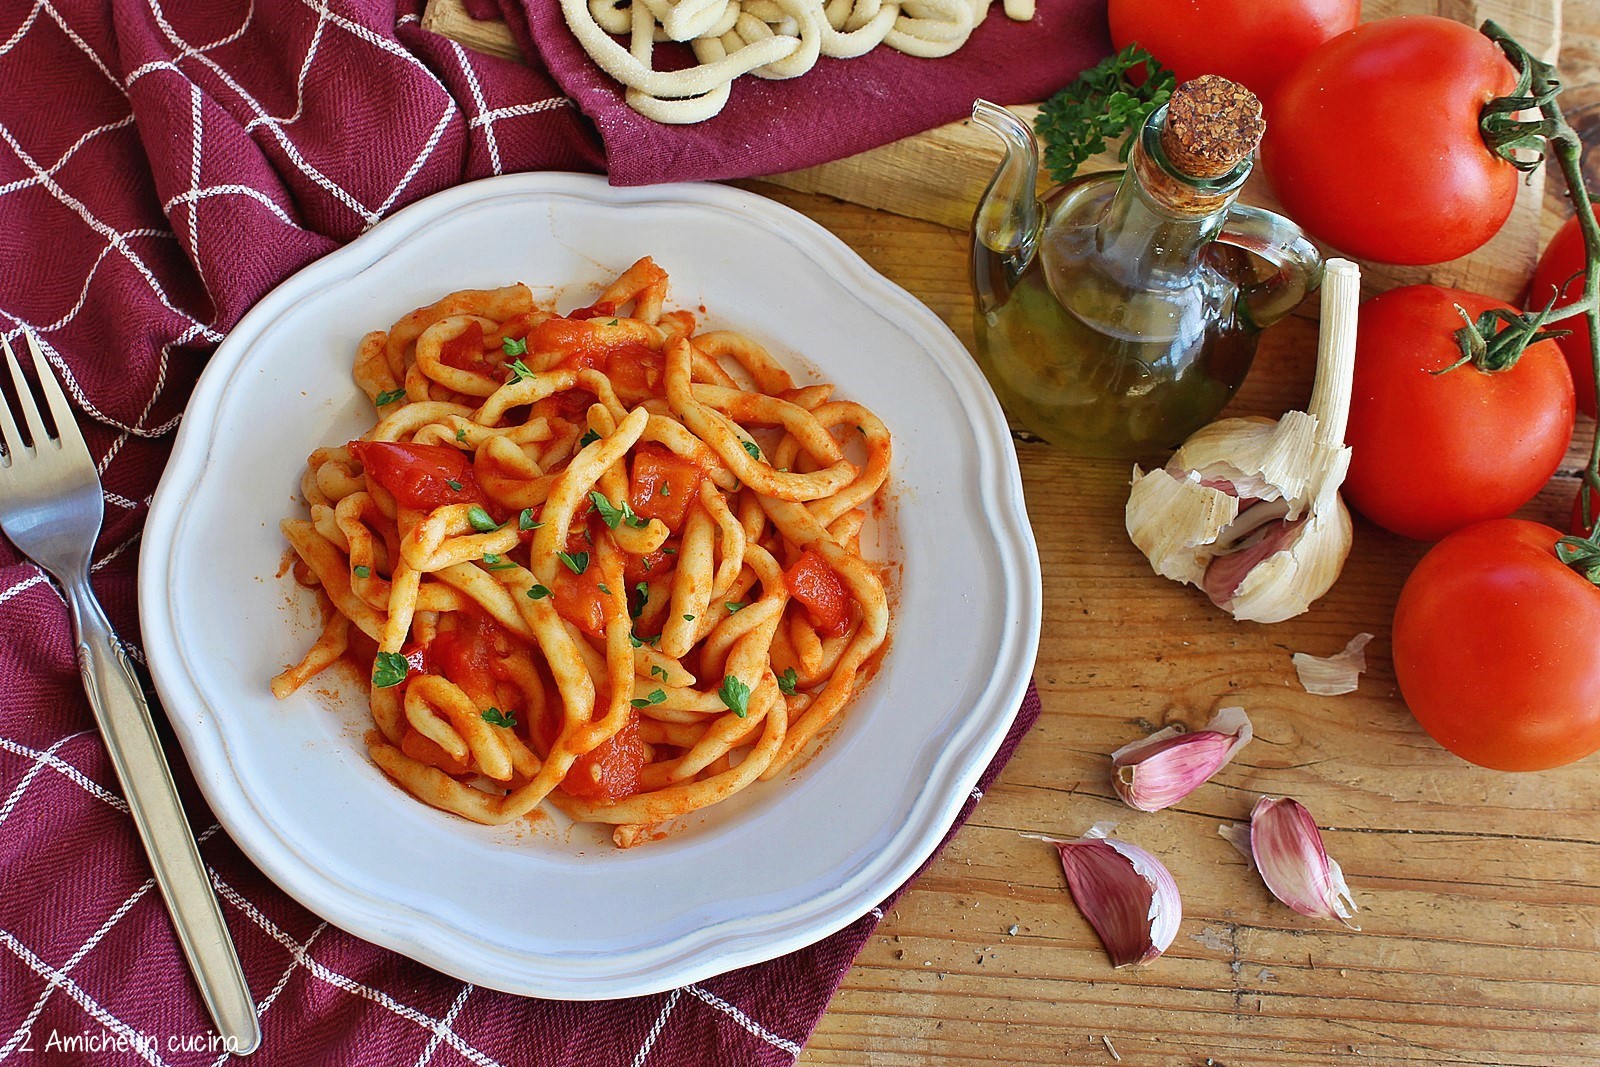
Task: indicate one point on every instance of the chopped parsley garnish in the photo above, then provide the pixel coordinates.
(613, 322)
(658, 671)
(588, 439)
(480, 520)
(732, 606)
(514, 346)
(577, 562)
(389, 670)
(537, 592)
(496, 717)
(386, 398)
(525, 521)
(612, 515)
(666, 489)
(634, 641)
(656, 696)
(787, 681)
(363, 572)
(669, 552)
(752, 448)
(603, 588)
(497, 563)
(736, 695)
(688, 618)
(643, 589)
(461, 434)
(519, 372)
(453, 484)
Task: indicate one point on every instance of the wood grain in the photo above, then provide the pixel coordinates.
(1479, 891)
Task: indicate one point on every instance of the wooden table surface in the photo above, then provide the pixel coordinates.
(1479, 891)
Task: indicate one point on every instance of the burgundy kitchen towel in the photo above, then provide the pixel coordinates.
(840, 107)
(164, 165)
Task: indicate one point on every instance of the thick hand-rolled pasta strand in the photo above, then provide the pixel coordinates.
(596, 559)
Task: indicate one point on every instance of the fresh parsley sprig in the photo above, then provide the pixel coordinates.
(1101, 105)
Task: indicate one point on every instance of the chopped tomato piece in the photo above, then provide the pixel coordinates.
(818, 586)
(578, 341)
(579, 600)
(594, 311)
(664, 485)
(612, 769)
(466, 654)
(569, 405)
(423, 477)
(424, 749)
(464, 351)
(653, 565)
(636, 369)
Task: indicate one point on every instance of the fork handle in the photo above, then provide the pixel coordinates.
(130, 736)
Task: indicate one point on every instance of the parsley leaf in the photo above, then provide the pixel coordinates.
(389, 670)
(479, 520)
(610, 514)
(688, 618)
(461, 434)
(656, 696)
(577, 562)
(496, 717)
(634, 641)
(383, 399)
(658, 671)
(732, 606)
(1103, 103)
(363, 572)
(603, 588)
(453, 484)
(666, 489)
(643, 589)
(613, 322)
(497, 563)
(787, 681)
(514, 346)
(736, 695)
(537, 592)
(525, 521)
(752, 448)
(519, 372)
(588, 439)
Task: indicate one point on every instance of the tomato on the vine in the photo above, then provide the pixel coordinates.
(1263, 42)
(1561, 268)
(1434, 450)
(1373, 143)
(1494, 648)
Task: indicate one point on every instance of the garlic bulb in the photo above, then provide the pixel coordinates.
(1248, 509)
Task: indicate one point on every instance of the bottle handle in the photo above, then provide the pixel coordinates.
(1279, 242)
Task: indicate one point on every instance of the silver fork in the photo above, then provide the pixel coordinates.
(51, 507)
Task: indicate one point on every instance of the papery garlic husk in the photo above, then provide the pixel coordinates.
(1158, 771)
(1248, 509)
(1128, 896)
(1284, 843)
(1335, 675)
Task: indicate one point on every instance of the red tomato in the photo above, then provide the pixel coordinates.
(611, 770)
(664, 485)
(464, 351)
(1494, 648)
(1434, 453)
(1561, 267)
(1373, 142)
(465, 654)
(578, 599)
(419, 476)
(643, 568)
(816, 585)
(1261, 44)
(636, 369)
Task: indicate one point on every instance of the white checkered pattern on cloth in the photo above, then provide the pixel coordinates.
(164, 164)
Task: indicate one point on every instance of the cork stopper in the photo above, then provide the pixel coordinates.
(1212, 124)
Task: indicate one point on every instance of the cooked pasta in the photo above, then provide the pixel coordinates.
(599, 558)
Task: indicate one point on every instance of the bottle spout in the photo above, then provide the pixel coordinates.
(1009, 216)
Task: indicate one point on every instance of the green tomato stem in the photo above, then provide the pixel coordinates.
(1539, 82)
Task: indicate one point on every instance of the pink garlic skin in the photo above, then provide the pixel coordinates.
(1160, 770)
(1288, 851)
(1128, 896)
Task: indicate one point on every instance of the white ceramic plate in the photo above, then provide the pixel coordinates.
(539, 911)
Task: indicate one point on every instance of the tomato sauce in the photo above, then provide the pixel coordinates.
(464, 351)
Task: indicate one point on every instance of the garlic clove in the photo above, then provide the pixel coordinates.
(1128, 896)
(1284, 843)
(1335, 675)
(1158, 771)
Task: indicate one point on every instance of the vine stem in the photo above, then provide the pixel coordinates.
(1542, 86)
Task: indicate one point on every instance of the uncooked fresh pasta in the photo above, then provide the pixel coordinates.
(597, 559)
